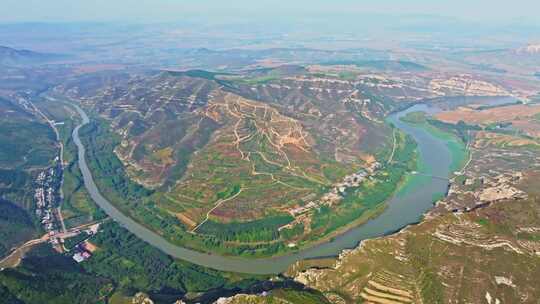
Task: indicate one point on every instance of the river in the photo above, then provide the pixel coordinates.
(405, 207)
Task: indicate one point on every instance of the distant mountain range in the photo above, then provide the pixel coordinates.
(10, 56)
(384, 65)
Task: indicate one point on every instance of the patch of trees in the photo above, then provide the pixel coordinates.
(397, 65)
(487, 107)
(134, 199)
(35, 144)
(262, 230)
(297, 230)
(431, 288)
(7, 297)
(16, 226)
(47, 277)
(108, 169)
(134, 264)
(13, 178)
(461, 129)
(122, 263)
(229, 192)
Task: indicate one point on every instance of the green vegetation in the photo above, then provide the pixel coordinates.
(229, 192)
(348, 75)
(461, 129)
(394, 65)
(74, 241)
(534, 237)
(27, 144)
(456, 136)
(16, 187)
(417, 117)
(431, 288)
(16, 226)
(256, 80)
(35, 144)
(8, 297)
(135, 265)
(264, 75)
(487, 107)
(109, 170)
(139, 203)
(77, 207)
(122, 265)
(26, 141)
(46, 277)
(537, 117)
(265, 229)
(197, 74)
(248, 238)
(371, 195)
(483, 221)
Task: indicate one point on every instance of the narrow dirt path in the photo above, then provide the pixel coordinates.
(219, 203)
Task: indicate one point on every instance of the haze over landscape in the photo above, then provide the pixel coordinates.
(495, 12)
(267, 151)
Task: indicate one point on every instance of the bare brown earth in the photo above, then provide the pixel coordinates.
(83, 69)
(530, 127)
(503, 140)
(261, 143)
(499, 114)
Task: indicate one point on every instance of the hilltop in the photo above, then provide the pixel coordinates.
(15, 57)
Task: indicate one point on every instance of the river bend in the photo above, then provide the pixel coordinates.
(405, 207)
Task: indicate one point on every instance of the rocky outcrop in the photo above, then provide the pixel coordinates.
(502, 192)
(141, 298)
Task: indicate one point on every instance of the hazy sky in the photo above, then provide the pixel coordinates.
(176, 10)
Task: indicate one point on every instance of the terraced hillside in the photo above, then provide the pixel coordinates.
(242, 164)
(489, 254)
(479, 245)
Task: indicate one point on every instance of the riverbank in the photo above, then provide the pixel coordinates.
(456, 146)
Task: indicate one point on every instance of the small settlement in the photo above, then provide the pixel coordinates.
(332, 197)
(47, 198)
